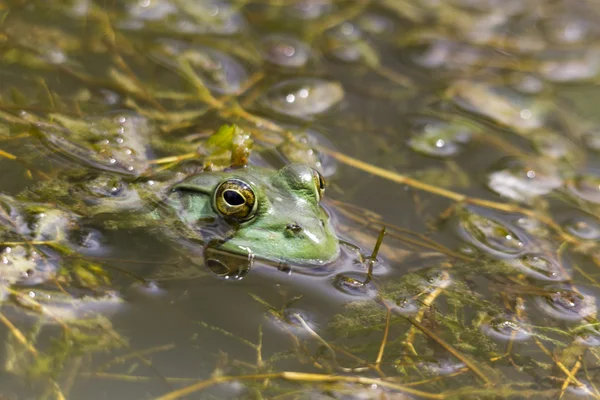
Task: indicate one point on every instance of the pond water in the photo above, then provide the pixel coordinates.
(467, 129)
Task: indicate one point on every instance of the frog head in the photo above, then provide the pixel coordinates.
(274, 215)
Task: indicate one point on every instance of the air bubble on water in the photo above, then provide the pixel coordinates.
(523, 180)
(554, 145)
(526, 114)
(505, 328)
(592, 139)
(502, 104)
(492, 236)
(441, 367)
(540, 266)
(439, 279)
(285, 51)
(585, 390)
(303, 98)
(87, 241)
(354, 284)
(567, 303)
(56, 56)
(439, 138)
(583, 226)
(296, 321)
(589, 336)
(586, 186)
(376, 24)
(402, 305)
(220, 72)
(527, 83)
(308, 9)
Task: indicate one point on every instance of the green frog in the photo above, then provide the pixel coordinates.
(221, 218)
(274, 215)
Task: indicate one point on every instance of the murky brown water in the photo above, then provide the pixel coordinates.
(468, 129)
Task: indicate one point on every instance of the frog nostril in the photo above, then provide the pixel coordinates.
(293, 229)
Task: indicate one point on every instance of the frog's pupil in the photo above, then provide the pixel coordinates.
(233, 198)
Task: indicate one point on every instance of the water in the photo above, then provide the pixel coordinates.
(468, 129)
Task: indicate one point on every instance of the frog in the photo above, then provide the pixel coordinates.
(276, 214)
(272, 215)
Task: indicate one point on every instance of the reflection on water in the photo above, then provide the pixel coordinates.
(469, 129)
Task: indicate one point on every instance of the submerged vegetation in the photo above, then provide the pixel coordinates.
(459, 141)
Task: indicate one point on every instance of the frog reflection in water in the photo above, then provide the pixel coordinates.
(273, 215)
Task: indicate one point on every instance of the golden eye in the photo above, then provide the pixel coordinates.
(319, 183)
(235, 198)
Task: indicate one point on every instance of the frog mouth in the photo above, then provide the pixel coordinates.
(232, 261)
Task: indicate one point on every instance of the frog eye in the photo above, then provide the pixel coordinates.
(235, 198)
(319, 183)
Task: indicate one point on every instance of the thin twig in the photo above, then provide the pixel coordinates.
(298, 377)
